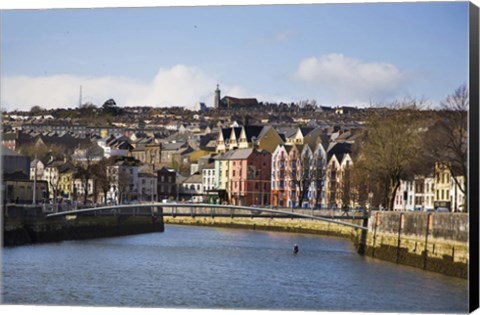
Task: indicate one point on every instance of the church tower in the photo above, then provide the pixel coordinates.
(216, 100)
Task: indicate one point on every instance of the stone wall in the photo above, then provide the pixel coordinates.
(432, 241)
(29, 230)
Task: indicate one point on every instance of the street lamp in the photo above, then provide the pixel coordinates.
(34, 181)
(152, 159)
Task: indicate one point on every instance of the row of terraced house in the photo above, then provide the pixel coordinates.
(309, 168)
(246, 165)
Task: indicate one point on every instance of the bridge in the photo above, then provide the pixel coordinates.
(213, 210)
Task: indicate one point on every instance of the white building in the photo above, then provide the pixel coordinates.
(405, 196)
(36, 167)
(192, 188)
(147, 186)
(124, 181)
(208, 179)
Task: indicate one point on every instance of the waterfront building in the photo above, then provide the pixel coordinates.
(147, 186)
(20, 191)
(192, 188)
(261, 137)
(208, 179)
(51, 175)
(278, 197)
(314, 158)
(293, 173)
(123, 176)
(37, 168)
(81, 187)
(406, 195)
(249, 177)
(66, 174)
(168, 182)
(221, 174)
(14, 162)
(339, 188)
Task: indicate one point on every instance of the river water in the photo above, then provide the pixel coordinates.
(205, 267)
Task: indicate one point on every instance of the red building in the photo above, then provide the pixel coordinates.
(249, 177)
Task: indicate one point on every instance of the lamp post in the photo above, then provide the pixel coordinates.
(34, 181)
(152, 159)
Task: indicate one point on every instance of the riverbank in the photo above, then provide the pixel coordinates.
(35, 230)
(435, 243)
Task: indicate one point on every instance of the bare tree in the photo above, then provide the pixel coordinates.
(448, 139)
(85, 165)
(102, 181)
(390, 146)
(318, 176)
(345, 187)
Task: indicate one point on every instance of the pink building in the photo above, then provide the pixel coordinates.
(249, 177)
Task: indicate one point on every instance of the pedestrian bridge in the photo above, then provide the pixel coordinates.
(212, 210)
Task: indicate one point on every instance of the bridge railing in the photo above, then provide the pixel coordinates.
(180, 209)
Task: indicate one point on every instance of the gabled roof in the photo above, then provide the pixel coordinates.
(253, 131)
(224, 156)
(306, 130)
(172, 146)
(167, 170)
(240, 101)
(240, 154)
(226, 132)
(209, 166)
(195, 178)
(339, 150)
(286, 131)
(7, 152)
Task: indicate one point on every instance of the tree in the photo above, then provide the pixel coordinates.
(448, 138)
(36, 110)
(43, 152)
(110, 107)
(307, 173)
(318, 176)
(85, 162)
(102, 182)
(389, 147)
(345, 187)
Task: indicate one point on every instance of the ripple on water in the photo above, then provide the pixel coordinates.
(222, 268)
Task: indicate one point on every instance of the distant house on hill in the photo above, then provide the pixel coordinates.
(233, 102)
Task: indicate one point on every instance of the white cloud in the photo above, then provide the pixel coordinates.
(350, 79)
(177, 86)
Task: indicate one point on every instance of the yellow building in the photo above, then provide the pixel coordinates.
(262, 137)
(65, 182)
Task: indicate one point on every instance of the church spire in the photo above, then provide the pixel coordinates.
(216, 100)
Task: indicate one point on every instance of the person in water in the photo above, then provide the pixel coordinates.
(295, 249)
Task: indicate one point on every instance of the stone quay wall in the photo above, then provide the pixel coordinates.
(22, 226)
(432, 241)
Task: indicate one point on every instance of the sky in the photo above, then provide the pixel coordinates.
(355, 54)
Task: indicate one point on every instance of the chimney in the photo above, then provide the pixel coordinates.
(254, 143)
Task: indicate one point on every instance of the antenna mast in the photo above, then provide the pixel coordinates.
(80, 98)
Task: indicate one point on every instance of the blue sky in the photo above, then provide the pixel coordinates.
(338, 54)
